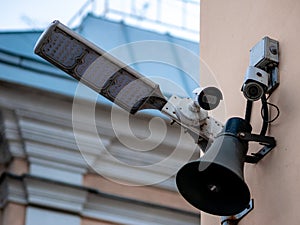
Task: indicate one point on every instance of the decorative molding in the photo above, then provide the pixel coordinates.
(56, 157)
(5, 155)
(12, 190)
(54, 195)
(90, 203)
(44, 135)
(10, 130)
(113, 209)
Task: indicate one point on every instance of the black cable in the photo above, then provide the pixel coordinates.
(277, 115)
(265, 110)
(248, 111)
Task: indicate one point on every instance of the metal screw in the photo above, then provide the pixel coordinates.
(213, 188)
(273, 50)
(242, 135)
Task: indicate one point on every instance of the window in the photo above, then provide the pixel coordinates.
(36, 216)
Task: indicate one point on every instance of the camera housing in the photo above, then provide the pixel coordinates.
(265, 54)
(208, 98)
(255, 84)
(262, 75)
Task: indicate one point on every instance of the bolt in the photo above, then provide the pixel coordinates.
(242, 135)
(273, 50)
(213, 188)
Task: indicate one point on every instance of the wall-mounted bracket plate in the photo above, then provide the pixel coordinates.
(268, 142)
(274, 80)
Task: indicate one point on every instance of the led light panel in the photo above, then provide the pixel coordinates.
(97, 69)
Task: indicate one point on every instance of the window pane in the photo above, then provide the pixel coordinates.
(36, 216)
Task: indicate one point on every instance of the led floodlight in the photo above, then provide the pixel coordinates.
(98, 70)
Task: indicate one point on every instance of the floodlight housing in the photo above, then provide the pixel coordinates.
(97, 69)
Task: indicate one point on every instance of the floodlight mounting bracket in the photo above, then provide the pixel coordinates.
(195, 120)
(235, 219)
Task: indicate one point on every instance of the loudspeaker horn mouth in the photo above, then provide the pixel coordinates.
(216, 190)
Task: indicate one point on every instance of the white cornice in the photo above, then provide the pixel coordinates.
(11, 132)
(30, 190)
(38, 127)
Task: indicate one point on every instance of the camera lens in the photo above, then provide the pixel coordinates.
(253, 91)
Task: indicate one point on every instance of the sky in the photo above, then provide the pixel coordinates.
(28, 14)
(37, 14)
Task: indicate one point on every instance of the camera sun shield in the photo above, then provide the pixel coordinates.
(265, 53)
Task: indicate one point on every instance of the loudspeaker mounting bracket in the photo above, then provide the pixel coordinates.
(235, 219)
(268, 142)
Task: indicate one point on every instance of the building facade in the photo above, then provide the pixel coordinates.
(47, 179)
(229, 29)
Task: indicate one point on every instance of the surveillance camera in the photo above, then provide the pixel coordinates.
(208, 98)
(255, 83)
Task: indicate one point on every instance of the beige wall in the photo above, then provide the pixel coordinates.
(228, 30)
(18, 166)
(13, 214)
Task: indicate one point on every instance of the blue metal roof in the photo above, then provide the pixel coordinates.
(19, 64)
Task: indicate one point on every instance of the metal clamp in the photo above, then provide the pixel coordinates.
(268, 142)
(234, 220)
(202, 127)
